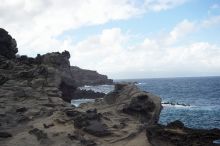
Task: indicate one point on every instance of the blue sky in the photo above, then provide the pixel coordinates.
(123, 39)
(152, 23)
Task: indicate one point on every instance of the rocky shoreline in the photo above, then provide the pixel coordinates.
(35, 107)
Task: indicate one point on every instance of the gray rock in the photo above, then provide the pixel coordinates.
(175, 134)
(39, 134)
(8, 45)
(97, 128)
(130, 100)
(90, 122)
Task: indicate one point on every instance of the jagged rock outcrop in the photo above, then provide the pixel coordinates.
(129, 99)
(120, 118)
(88, 77)
(33, 92)
(176, 134)
(8, 45)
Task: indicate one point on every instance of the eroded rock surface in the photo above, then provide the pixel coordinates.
(34, 111)
(130, 100)
(33, 92)
(176, 134)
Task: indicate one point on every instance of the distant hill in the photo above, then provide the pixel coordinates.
(88, 77)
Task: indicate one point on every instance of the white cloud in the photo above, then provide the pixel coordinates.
(182, 29)
(159, 5)
(146, 58)
(186, 27)
(36, 25)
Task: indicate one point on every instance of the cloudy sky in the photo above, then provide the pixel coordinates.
(121, 38)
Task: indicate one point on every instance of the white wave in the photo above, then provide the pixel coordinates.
(141, 83)
(77, 102)
(216, 141)
(99, 88)
(176, 105)
(86, 86)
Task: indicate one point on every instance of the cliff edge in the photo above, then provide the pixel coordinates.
(35, 108)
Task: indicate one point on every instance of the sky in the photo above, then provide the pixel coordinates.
(121, 38)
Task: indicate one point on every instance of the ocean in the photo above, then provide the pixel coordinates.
(193, 100)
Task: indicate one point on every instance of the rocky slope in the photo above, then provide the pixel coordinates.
(34, 111)
(49, 70)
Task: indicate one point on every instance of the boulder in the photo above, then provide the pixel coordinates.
(131, 100)
(142, 107)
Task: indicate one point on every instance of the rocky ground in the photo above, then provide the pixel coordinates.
(35, 109)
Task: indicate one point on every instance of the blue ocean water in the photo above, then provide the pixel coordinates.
(201, 93)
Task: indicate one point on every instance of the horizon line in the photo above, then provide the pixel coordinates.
(167, 77)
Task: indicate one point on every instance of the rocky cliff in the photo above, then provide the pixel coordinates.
(88, 77)
(50, 72)
(34, 111)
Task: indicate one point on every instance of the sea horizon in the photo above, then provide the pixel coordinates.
(172, 77)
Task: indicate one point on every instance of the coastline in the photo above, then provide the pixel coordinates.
(35, 96)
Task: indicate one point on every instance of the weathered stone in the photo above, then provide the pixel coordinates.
(91, 123)
(130, 100)
(97, 128)
(38, 133)
(160, 135)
